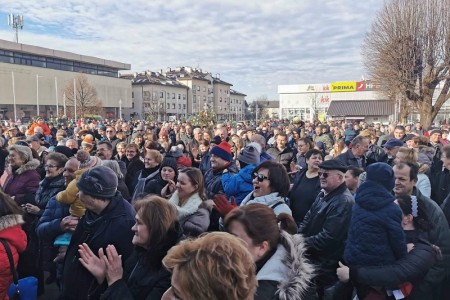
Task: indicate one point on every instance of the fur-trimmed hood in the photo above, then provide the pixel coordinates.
(289, 267)
(10, 221)
(29, 166)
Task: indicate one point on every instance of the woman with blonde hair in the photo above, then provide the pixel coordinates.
(215, 266)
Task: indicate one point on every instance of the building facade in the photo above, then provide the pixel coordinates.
(33, 79)
(312, 101)
(237, 105)
(156, 97)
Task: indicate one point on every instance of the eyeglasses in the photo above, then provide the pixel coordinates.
(49, 166)
(109, 131)
(260, 177)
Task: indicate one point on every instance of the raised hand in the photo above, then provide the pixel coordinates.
(95, 265)
(113, 263)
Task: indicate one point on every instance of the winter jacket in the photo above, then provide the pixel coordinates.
(348, 159)
(70, 196)
(325, 230)
(12, 233)
(265, 156)
(48, 188)
(446, 209)
(193, 220)
(375, 154)
(213, 180)
(326, 140)
(155, 186)
(205, 163)
(287, 274)
(375, 236)
(134, 167)
(284, 157)
(349, 135)
(142, 181)
(23, 182)
(439, 236)
(411, 268)
(273, 200)
(144, 279)
(44, 126)
(238, 185)
(111, 227)
(48, 228)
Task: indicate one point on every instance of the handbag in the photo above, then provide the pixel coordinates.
(25, 288)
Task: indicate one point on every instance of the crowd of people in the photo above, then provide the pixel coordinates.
(283, 209)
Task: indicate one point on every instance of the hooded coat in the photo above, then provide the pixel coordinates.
(273, 200)
(12, 233)
(23, 182)
(287, 274)
(375, 236)
(240, 184)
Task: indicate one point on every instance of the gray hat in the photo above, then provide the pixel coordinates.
(249, 155)
(99, 182)
(175, 152)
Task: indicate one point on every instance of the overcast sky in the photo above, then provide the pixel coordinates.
(254, 45)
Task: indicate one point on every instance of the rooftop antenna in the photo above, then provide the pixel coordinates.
(16, 23)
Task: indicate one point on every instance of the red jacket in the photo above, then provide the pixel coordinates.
(11, 231)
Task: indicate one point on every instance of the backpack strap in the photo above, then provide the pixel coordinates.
(276, 204)
(11, 263)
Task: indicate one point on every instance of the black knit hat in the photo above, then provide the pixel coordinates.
(170, 162)
(64, 150)
(98, 182)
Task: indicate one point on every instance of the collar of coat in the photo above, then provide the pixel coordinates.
(29, 166)
(289, 267)
(10, 221)
(189, 207)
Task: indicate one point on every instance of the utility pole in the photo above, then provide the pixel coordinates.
(16, 23)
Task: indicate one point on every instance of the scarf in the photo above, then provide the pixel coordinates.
(189, 207)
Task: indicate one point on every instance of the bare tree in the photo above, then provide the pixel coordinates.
(408, 52)
(150, 101)
(86, 97)
(259, 108)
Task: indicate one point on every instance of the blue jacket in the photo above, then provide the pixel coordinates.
(375, 236)
(238, 185)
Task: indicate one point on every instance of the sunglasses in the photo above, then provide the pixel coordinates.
(260, 177)
(323, 174)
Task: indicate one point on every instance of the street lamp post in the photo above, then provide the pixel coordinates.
(14, 96)
(120, 108)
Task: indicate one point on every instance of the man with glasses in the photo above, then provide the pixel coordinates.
(112, 138)
(326, 224)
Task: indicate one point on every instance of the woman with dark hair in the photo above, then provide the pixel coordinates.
(143, 275)
(270, 187)
(134, 166)
(306, 185)
(11, 232)
(412, 267)
(282, 269)
(189, 199)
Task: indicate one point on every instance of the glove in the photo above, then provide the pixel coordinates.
(222, 205)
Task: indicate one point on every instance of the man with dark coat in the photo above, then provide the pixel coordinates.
(439, 235)
(281, 152)
(108, 221)
(356, 155)
(326, 224)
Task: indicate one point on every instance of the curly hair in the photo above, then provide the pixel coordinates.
(215, 266)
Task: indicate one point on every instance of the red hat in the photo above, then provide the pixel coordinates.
(184, 162)
(223, 150)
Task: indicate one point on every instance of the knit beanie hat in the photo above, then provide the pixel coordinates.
(381, 173)
(170, 162)
(86, 160)
(87, 143)
(98, 182)
(184, 162)
(175, 152)
(223, 150)
(249, 155)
